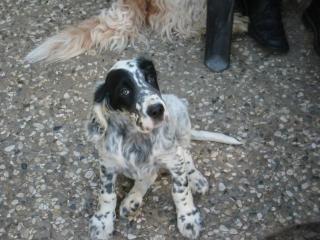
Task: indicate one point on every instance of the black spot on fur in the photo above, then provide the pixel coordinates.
(125, 211)
(190, 227)
(98, 216)
(92, 228)
(136, 205)
(109, 187)
(149, 71)
(109, 176)
(103, 170)
(194, 212)
(182, 218)
(141, 148)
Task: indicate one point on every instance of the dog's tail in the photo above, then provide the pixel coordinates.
(114, 28)
(214, 137)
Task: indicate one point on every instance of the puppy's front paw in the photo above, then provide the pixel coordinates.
(190, 224)
(101, 226)
(198, 182)
(130, 205)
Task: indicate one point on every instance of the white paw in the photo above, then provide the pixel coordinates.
(190, 224)
(101, 226)
(130, 205)
(198, 182)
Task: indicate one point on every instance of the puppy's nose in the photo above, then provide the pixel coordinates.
(155, 111)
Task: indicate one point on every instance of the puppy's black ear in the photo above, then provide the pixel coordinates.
(101, 93)
(148, 70)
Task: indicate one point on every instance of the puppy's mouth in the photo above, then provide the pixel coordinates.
(147, 125)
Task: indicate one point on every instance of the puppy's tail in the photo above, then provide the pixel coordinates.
(214, 137)
(114, 28)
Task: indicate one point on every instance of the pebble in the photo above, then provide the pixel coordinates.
(221, 187)
(223, 228)
(131, 236)
(9, 148)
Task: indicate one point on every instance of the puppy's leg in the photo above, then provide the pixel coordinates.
(198, 182)
(134, 198)
(102, 222)
(188, 216)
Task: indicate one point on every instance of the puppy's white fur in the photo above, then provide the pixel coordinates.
(125, 149)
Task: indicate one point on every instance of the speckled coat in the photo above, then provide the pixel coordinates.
(123, 149)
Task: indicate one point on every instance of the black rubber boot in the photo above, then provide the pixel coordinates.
(311, 18)
(218, 36)
(266, 24)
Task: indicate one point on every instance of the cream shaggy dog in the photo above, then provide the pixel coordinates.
(126, 22)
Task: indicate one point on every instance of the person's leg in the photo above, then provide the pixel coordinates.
(218, 34)
(311, 18)
(266, 25)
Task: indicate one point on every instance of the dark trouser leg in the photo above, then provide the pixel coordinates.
(311, 18)
(266, 24)
(218, 36)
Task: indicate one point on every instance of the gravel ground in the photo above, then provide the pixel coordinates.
(48, 171)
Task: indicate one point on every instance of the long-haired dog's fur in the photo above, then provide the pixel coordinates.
(137, 131)
(125, 22)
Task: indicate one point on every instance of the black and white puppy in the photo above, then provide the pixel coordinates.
(137, 131)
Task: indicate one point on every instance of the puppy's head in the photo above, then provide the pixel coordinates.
(131, 87)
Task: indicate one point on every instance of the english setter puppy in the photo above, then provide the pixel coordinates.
(127, 21)
(137, 131)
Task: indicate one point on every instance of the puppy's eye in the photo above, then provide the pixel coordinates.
(124, 92)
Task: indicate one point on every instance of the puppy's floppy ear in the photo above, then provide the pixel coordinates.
(100, 93)
(148, 70)
(98, 118)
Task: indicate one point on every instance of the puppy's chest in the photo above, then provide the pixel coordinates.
(140, 154)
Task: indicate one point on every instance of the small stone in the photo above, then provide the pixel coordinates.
(289, 172)
(89, 174)
(305, 185)
(259, 216)
(131, 236)
(221, 187)
(223, 228)
(9, 148)
(20, 195)
(239, 203)
(233, 231)
(66, 96)
(24, 166)
(38, 126)
(290, 194)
